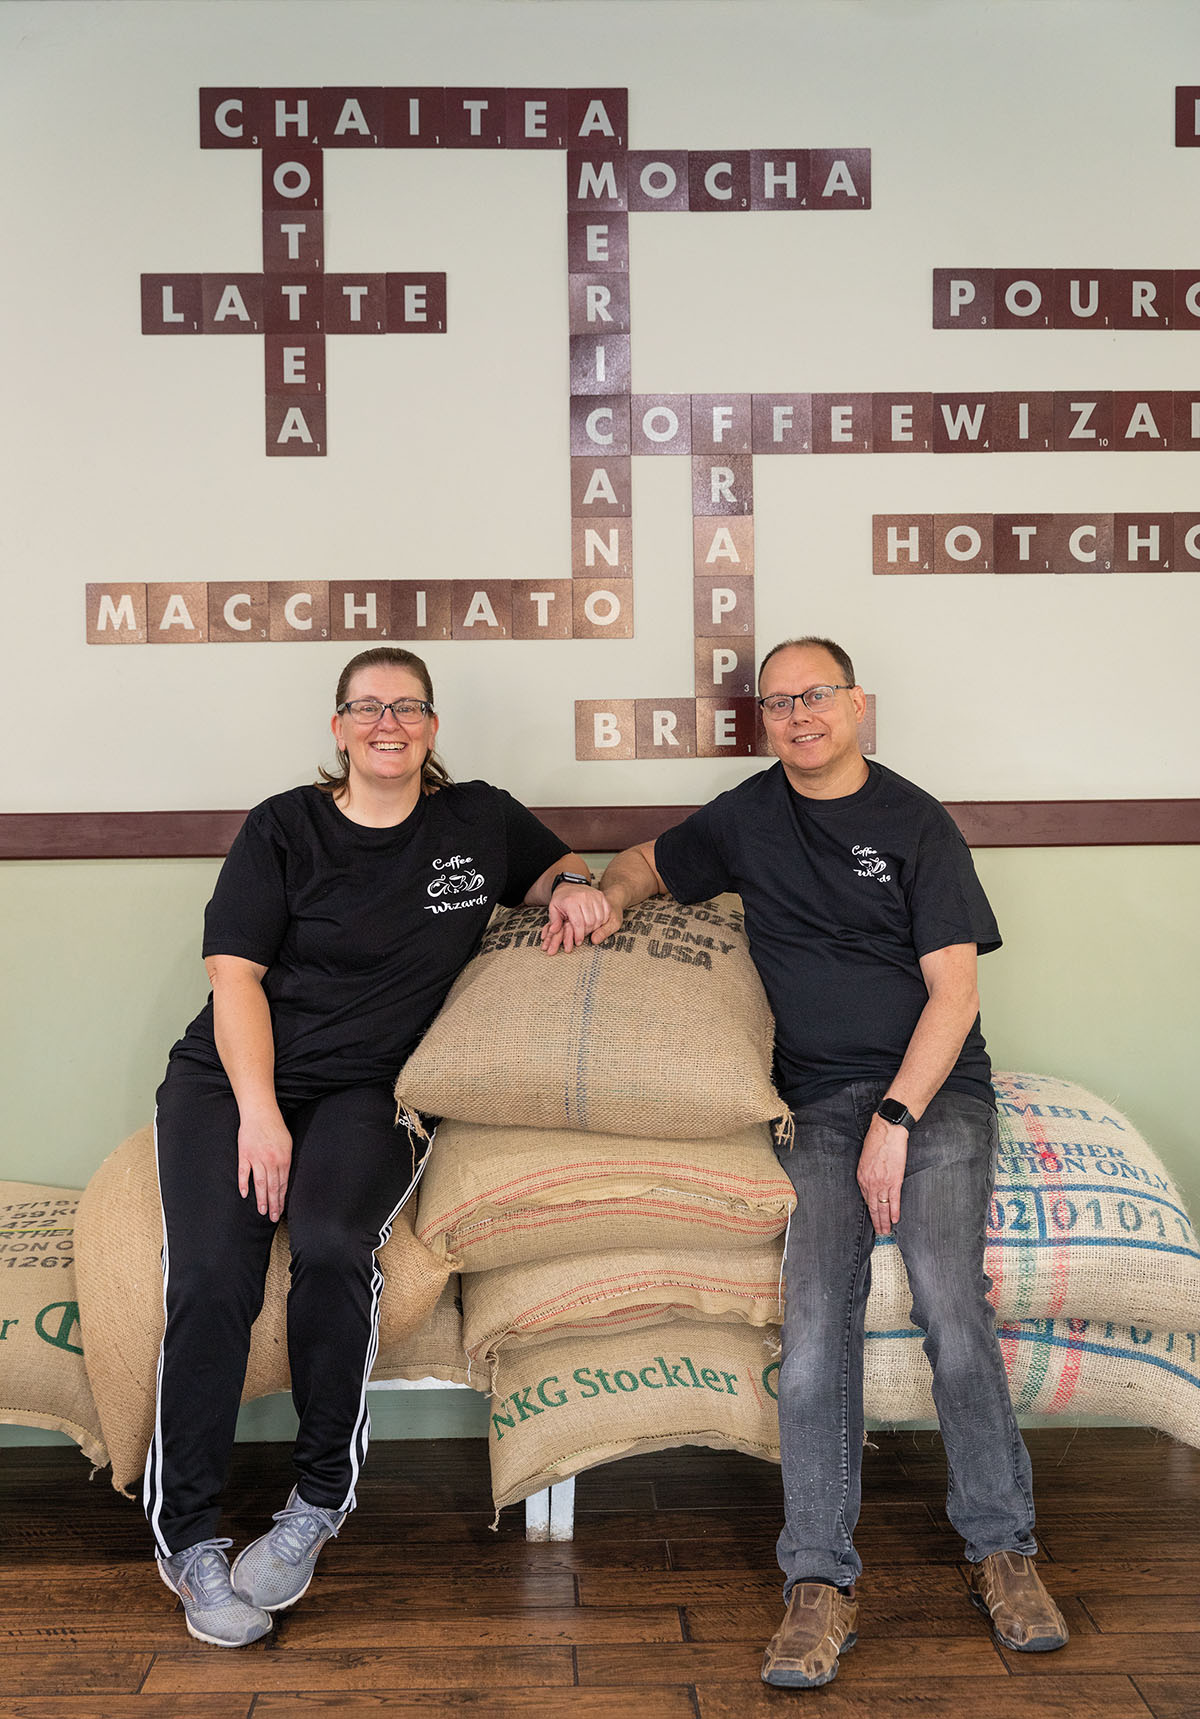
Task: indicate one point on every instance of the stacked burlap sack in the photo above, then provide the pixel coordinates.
(605, 1173)
(118, 1241)
(606, 1185)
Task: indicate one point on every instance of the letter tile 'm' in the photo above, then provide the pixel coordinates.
(596, 180)
(116, 614)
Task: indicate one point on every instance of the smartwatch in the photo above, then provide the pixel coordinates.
(570, 877)
(894, 1112)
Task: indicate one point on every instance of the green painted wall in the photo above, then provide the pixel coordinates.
(1099, 981)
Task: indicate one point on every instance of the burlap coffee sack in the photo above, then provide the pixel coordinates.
(618, 1291)
(495, 1197)
(1085, 1220)
(1065, 1367)
(565, 1406)
(663, 1032)
(119, 1238)
(43, 1379)
(435, 1351)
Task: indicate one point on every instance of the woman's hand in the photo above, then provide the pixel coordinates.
(265, 1157)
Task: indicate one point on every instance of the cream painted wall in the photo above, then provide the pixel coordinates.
(1003, 132)
(1099, 980)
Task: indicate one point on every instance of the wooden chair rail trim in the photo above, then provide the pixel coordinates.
(604, 829)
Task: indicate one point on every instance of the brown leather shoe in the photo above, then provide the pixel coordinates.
(818, 1624)
(1007, 1586)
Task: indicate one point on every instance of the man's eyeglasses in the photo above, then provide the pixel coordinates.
(406, 710)
(778, 706)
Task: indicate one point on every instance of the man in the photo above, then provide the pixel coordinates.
(865, 917)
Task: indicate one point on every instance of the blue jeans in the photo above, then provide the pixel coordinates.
(941, 1235)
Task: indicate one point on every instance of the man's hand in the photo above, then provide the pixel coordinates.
(265, 1155)
(576, 912)
(881, 1172)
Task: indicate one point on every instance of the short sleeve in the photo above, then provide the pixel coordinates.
(248, 914)
(691, 859)
(945, 897)
(531, 848)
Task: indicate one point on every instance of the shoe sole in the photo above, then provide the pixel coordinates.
(1039, 1644)
(779, 1678)
(210, 1640)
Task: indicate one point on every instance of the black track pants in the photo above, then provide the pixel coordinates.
(351, 1171)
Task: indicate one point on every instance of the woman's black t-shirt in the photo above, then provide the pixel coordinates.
(363, 931)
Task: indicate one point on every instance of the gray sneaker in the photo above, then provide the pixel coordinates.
(200, 1576)
(275, 1570)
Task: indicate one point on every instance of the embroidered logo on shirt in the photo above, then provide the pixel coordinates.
(871, 864)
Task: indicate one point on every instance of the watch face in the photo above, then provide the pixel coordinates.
(891, 1110)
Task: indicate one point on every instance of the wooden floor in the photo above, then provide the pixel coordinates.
(659, 1607)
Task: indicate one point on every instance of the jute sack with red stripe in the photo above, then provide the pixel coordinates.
(119, 1242)
(43, 1379)
(565, 1406)
(1085, 1219)
(625, 1290)
(502, 1196)
(663, 1032)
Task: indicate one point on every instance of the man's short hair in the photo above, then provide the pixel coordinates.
(840, 657)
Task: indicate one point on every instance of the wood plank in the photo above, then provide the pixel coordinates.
(488, 1701)
(1152, 1654)
(127, 1707)
(701, 1662)
(883, 1615)
(850, 1697)
(264, 1667)
(741, 1587)
(1133, 1613)
(1169, 1697)
(344, 1630)
(59, 1673)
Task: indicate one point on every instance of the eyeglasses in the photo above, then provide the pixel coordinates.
(406, 710)
(778, 706)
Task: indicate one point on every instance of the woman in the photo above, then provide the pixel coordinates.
(340, 919)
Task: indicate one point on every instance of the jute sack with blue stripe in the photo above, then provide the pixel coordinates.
(663, 1032)
(1085, 1219)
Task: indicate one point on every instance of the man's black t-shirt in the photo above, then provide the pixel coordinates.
(363, 931)
(842, 898)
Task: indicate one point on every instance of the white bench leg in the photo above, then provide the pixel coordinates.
(550, 1514)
